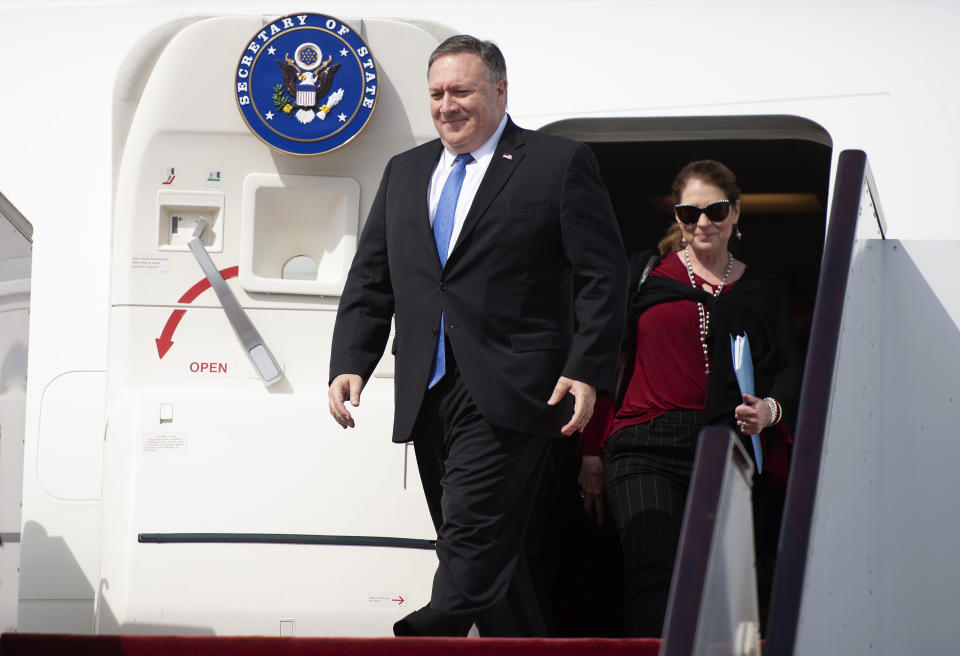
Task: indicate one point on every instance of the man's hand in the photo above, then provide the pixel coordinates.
(343, 387)
(591, 486)
(585, 396)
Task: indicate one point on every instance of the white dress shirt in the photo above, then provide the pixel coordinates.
(473, 175)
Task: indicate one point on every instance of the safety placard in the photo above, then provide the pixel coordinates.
(149, 263)
(168, 442)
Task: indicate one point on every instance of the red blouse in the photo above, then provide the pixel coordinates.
(669, 370)
(669, 374)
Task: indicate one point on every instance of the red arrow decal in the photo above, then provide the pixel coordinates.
(165, 341)
(399, 600)
(204, 285)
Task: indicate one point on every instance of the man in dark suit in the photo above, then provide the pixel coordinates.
(497, 250)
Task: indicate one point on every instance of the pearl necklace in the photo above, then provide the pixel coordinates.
(704, 314)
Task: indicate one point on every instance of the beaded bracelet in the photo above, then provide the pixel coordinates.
(776, 412)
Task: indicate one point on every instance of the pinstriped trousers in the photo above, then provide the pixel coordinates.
(647, 471)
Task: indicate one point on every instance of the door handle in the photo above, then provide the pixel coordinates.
(257, 351)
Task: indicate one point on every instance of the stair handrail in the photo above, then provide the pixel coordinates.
(853, 178)
(719, 455)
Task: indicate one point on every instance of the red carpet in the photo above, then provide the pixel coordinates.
(23, 644)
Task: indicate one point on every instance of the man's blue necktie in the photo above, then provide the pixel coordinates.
(442, 230)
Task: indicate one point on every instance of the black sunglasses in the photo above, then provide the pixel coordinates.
(690, 214)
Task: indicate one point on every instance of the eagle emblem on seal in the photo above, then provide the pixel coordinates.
(307, 78)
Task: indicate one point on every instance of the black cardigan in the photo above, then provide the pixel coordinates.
(755, 305)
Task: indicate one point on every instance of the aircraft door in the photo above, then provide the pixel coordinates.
(229, 493)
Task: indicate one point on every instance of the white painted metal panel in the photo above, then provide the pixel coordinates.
(918, 509)
(70, 444)
(841, 599)
(196, 443)
(881, 574)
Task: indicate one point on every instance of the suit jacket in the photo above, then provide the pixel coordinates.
(533, 289)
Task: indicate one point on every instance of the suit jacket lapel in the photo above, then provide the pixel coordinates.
(422, 172)
(506, 157)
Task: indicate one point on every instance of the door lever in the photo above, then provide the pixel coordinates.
(260, 355)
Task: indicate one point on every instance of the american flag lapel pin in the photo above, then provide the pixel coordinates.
(507, 156)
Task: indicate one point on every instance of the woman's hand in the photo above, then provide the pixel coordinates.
(753, 415)
(591, 486)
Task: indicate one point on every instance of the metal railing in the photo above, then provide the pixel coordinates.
(854, 189)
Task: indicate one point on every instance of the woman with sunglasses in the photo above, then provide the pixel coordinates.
(676, 375)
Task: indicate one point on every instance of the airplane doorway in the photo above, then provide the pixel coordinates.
(782, 164)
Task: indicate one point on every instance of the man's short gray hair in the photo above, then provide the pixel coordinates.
(485, 50)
